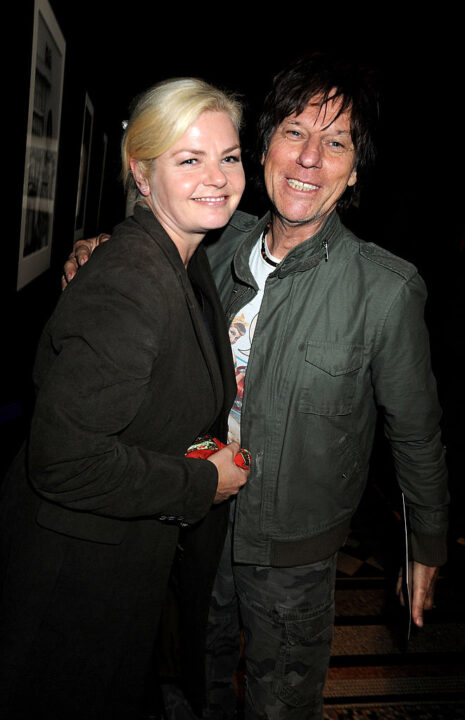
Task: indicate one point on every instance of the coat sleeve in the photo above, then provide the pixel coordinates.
(104, 344)
(405, 390)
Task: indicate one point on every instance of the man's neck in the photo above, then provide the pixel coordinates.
(283, 236)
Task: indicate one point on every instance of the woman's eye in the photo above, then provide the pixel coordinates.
(189, 161)
(232, 159)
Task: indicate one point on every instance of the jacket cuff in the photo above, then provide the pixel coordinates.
(202, 489)
(429, 549)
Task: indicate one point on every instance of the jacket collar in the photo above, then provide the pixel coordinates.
(303, 257)
(145, 217)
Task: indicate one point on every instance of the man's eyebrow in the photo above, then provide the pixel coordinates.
(338, 131)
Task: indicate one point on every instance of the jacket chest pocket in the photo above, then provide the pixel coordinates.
(330, 378)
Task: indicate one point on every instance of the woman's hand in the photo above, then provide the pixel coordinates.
(230, 477)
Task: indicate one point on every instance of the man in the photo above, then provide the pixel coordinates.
(338, 336)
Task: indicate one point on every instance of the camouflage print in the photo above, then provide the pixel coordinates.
(287, 616)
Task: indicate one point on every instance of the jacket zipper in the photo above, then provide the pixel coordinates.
(235, 301)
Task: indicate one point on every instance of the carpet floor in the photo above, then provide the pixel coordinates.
(375, 671)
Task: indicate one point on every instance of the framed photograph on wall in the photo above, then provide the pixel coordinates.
(102, 176)
(84, 165)
(42, 144)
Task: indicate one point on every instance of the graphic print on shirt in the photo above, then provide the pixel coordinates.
(240, 336)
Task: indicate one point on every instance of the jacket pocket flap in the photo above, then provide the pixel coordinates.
(334, 358)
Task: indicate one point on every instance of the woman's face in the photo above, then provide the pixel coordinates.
(196, 185)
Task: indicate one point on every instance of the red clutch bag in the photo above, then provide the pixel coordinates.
(207, 445)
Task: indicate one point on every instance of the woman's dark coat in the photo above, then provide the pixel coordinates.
(127, 376)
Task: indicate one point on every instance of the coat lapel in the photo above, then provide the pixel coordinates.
(212, 346)
(201, 276)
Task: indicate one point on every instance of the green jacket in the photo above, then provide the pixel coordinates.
(340, 336)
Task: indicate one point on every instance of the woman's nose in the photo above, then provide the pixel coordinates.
(215, 175)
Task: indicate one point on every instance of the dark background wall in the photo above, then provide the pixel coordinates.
(413, 206)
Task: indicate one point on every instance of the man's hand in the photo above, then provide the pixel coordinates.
(423, 583)
(230, 477)
(81, 252)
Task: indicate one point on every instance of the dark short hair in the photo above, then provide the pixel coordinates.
(329, 76)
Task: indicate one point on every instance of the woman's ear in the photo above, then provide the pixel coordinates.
(139, 178)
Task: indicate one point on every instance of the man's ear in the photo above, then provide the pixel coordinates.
(139, 177)
(352, 178)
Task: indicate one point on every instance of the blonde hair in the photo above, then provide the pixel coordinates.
(164, 113)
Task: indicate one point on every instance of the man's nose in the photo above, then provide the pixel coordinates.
(310, 153)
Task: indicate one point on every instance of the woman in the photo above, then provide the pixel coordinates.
(89, 530)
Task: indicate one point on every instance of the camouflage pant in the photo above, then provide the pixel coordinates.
(287, 616)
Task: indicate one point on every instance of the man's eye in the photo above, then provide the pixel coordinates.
(337, 146)
(294, 133)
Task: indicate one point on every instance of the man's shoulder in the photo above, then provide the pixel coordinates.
(222, 246)
(242, 221)
(387, 260)
(380, 259)
(240, 224)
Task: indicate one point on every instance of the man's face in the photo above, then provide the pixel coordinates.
(309, 163)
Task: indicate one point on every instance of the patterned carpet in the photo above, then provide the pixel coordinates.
(414, 711)
(375, 672)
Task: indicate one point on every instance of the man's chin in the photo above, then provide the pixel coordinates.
(299, 221)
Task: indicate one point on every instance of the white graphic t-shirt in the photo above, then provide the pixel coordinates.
(241, 333)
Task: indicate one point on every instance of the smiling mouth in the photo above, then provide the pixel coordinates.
(220, 199)
(298, 185)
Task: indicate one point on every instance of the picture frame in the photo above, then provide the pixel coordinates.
(102, 176)
(42, 144)
(84, 166)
